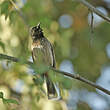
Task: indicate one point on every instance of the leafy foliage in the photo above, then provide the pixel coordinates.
(72, 44)
(5, 8)
(2, 45)
(7, 101)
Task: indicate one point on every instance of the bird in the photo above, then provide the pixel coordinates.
(43, 54)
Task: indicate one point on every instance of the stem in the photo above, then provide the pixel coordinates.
(74, 76)
(92, 8)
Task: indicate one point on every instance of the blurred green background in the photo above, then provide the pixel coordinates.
(66, 24)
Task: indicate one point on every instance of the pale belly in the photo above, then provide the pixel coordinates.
(42, 56)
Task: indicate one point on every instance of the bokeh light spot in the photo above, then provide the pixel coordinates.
(65, 21)
(108, 50)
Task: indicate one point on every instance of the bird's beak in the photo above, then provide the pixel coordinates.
(38, 26)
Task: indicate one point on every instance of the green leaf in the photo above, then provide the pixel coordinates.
(59, 78)
(38, 81)
(12, 17)
(7, 101)
(40, 69)
(5, 8)
(1, 94)
(52, 75)
(67, 83)
(2, 46)
(38, 97)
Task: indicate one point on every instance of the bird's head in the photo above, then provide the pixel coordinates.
(36, 32)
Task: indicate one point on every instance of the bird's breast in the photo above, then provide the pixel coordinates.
(42, 53)
(36, 44)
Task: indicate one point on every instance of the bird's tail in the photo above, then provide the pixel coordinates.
(53, 91)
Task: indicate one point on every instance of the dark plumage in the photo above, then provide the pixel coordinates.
(43, 54)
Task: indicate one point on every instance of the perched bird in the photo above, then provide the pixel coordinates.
(43, 54)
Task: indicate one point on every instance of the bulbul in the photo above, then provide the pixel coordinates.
(43, 54)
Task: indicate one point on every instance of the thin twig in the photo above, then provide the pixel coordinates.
(93, 9)
(74, 76)
(14, 59)
(91, 28)
(92, 22)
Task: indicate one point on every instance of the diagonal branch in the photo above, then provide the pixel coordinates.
(92, 8)
(74, 76)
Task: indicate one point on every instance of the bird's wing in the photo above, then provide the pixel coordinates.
(53, 55)
(51, 52)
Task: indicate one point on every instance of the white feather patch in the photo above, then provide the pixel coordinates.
(37, 46)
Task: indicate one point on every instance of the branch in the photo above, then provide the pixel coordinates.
(74, 76)
(92, 8)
